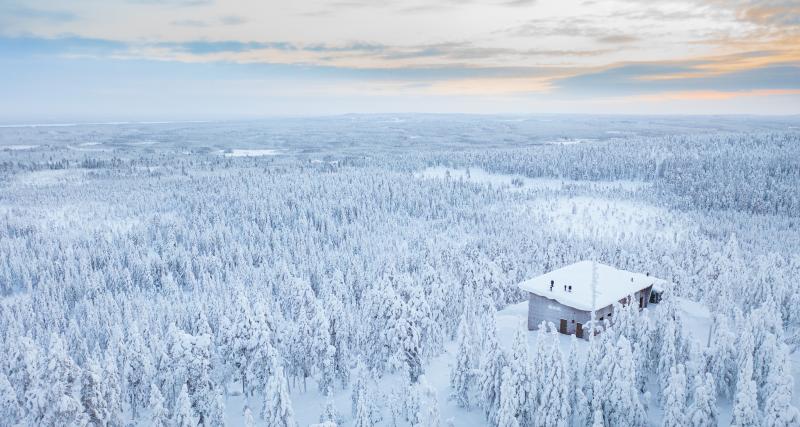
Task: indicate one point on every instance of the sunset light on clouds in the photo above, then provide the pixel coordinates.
(206, 58)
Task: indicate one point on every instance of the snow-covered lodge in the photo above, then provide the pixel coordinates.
(564, 296)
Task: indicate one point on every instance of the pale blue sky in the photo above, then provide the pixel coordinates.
(201, 59)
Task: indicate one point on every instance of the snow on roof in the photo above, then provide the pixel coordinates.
(612, 285)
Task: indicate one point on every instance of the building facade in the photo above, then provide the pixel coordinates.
(567, 296)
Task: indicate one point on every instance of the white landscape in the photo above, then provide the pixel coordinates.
(418, 213)
(357, 283)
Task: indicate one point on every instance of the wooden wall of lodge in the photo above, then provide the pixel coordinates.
(570, 320)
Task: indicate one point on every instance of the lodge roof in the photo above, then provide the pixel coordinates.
(612, 285)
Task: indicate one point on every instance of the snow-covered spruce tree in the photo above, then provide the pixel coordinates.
(192, 355)
(670, 353)
(327, 374)
(553, 404)
(329, 409)
(721, 357)
(342, 331)
(745, 406)
(277, 409)
(779, 411)
(430, 404)
(359, 387)
(463, 376)
(581, 410)
(52, 401)
(726, 273)
(112, 394)
(491, 375)
(239, 342)
(675, 398)
(159, 415)
(318, 340)
(255, 353)
(137, 371)
(519, 362)
(93, 394)
(703, 410)
(9, 407)
(598, 420)
(622, 406)
(183, 413)
(411, 405)
(510, 400)
(361, 414)
(419, 315)
(249, 421)
(23, 366)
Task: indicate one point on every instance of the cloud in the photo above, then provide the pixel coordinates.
(232, 20)
(178, 3)
(28, 46)
(578, 28)
(618, 39)
(28, 13)
(228, 20)
(643, 78)
(716, 94)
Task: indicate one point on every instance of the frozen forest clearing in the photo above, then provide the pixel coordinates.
(338, 270)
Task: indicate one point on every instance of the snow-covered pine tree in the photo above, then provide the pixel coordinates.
(277, 410)
(93, 394)
(622, 406)
(597, 406)
(327, 374)
(779, 411)
(361, 413)
(703, 410)
(553, 405)
(329, 409)
(137, 370)
(642, 353)
(675, 398)
(183, 412)
(669, 354)
(159, 415)
(52, 400)
(581, 410)
(721, 357)
(249, 421)
(342, 331)
(359, 387)
(491, 375)
(463, 376)
(9, 407)
(519, 362)
(510, 400)
(430, 404)
(745, 406)
(112, 394)
(254, 354)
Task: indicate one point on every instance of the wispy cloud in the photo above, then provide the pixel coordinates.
(20, 11)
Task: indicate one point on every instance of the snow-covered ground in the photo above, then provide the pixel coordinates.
(50, 177)
(237, 152)
(18, 147)
(570, 141)
(596, 217)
